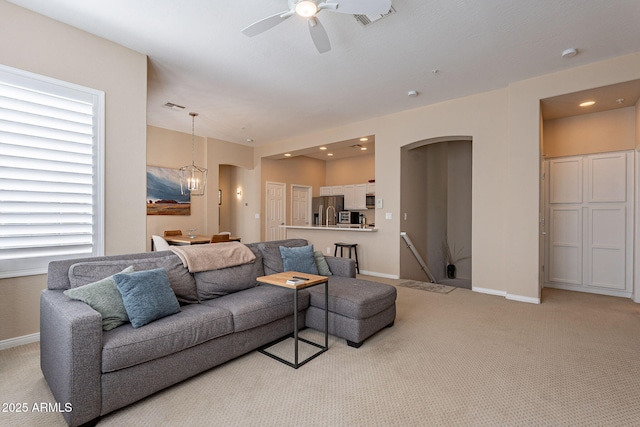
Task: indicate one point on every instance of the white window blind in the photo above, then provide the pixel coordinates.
(51, 172)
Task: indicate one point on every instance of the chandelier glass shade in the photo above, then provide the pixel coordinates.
(193, 179)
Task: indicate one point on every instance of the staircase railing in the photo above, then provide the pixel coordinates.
(423, 264)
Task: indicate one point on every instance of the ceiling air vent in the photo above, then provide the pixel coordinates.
(172, 106)
(365, 20)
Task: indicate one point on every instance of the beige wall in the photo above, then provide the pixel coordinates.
(171, 149)
(590, 133)
(352, 170)
(40, 45)
(505, 127)
(296, 170)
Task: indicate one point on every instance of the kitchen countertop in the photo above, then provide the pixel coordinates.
(339, 227)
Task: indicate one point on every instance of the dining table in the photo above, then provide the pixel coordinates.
(185, 239)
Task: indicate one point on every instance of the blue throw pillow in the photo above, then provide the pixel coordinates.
(299, 259)
(147, 296)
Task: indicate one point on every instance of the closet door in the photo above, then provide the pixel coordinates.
(609, 220)
(590, 213)
(565, 220)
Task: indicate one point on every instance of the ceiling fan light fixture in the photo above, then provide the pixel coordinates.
(306, 8)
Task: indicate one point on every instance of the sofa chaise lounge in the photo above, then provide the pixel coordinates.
(223, 314)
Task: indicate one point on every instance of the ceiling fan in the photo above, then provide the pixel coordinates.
(310, 8)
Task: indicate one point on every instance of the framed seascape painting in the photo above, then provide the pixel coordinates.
(163, 193)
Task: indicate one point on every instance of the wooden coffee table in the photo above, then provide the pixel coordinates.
(280, 279)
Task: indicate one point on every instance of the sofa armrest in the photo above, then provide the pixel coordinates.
(344, 267)
(71, 354)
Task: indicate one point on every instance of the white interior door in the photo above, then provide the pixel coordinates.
(590, 214)
(300, 205)
(275, 201)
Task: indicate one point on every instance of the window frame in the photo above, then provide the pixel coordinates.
(39, 265)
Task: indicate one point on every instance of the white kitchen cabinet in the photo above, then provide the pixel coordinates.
(349, 197)
(325, 191)
(355, 196)
(337, 190)
(361, 196)
(371, 188)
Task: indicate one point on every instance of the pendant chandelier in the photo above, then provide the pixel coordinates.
(193, 179)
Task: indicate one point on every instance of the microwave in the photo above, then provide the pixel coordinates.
(348, 217)
(371, 201)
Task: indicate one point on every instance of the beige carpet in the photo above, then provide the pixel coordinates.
(458, 359)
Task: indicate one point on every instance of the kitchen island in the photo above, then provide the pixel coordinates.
(323, 237)
(338, 227)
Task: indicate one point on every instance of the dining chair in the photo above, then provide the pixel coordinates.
(172, 233)
(217, 238)
(159, 244)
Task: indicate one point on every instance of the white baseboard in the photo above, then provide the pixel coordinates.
(15, 342)
(523, 299)
(373, 273)
(488, 291)
(506, 295)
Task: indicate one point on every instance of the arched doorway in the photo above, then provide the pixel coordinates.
(436, 208)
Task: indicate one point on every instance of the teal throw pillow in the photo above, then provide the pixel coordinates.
(103, 296)
(299, 259)
(147, 296)
(321, 263)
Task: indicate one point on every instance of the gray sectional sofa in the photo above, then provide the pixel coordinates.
(223, 314)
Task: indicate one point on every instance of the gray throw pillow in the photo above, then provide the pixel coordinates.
(299, 259)
(321, 263)
(103, 296)
(147, 296)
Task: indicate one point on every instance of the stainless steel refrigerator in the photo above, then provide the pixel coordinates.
(320, 205)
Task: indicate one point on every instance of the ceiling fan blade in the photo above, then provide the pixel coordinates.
(266, 23)
(361, 7)
(319, 35)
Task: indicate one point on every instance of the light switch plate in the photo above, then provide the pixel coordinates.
(387, 215)
(378, 203)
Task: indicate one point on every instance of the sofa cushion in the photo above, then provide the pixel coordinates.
(182, 282)
(125, 346)
(105, 298)
(299, 259)
(147, 295)
(321, 263)
(271, 256)
(260, 305)
(354, 298)
(216, 283)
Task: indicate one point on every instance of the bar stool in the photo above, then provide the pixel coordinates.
(350, 246)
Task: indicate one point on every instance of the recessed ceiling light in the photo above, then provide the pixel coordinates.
(329, 154)
(587, 103)
(363, 148)
(412, 93)
(323, 148)
(287, 155)
(569, 53)
(364, 139)
(249, 140)
(619, 100)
